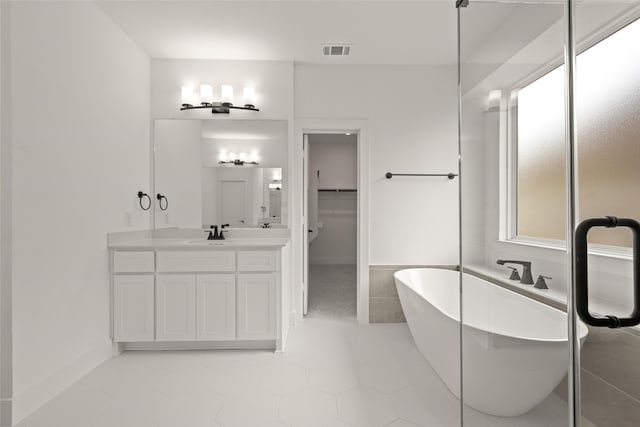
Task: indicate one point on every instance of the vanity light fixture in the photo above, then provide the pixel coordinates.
(239, 160)
(191, 102)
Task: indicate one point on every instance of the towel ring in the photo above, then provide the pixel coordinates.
(160, 198)
(141, 196)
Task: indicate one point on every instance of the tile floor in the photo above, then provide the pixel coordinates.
(332, 291)
(335, 373)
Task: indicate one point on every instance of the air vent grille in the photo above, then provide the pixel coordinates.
(336, 50)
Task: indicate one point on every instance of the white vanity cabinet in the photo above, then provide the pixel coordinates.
(133, 296)
(196, 295)
(133, 308)
(175, 307)
(257, 306)
(195, 306)
(199, 307)
(215, 307)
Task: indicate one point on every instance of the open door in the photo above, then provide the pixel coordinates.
(305, 225)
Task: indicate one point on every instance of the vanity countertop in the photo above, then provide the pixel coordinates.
(196, 240)
(199, 244)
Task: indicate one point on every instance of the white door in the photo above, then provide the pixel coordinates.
(232, 199)
(133, 308)
(176, 307)
(257, 306)
(215, 307)
(305, 226)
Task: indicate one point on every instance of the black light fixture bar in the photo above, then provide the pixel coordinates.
(218, 107)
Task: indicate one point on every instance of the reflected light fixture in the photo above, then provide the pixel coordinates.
(238, 160)
(190, 101)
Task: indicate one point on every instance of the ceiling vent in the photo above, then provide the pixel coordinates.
(336, 49)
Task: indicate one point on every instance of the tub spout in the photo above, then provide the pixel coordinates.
(527, 278)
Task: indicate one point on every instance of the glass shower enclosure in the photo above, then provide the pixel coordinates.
(549, 202)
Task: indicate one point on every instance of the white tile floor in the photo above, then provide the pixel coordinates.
(335, 373)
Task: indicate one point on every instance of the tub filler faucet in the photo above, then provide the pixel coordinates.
(527, 279)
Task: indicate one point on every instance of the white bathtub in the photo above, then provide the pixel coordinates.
(515, 348)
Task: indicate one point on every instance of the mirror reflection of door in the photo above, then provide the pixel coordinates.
(274, 203)
(232, 202)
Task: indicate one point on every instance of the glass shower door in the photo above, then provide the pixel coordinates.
(607, 177)
(513, 212)
(549, 210)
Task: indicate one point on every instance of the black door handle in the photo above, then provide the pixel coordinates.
(582, 272)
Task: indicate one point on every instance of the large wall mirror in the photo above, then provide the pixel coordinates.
(209, 172)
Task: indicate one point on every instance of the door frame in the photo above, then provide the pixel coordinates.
(324, 126)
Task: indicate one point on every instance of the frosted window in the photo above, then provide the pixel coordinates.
(608, 122)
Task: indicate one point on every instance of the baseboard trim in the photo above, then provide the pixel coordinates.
(201, 345)
(34, 397)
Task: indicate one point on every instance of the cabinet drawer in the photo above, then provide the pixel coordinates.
(196, 261)
(257, 261)
(133, 262)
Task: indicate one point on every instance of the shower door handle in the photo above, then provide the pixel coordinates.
(582, 272)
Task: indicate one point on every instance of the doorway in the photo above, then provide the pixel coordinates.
(331, 204)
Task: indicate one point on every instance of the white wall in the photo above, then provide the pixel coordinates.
(178, 172)
(80, 135)
(411, 127)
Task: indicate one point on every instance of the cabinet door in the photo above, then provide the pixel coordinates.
(176, 307)
(215, 307)
(133, 308)
(257, 306)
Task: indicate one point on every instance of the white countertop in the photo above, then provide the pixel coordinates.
(196, 240)
(162, 244)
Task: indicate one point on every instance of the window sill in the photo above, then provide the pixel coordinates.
(556, 245)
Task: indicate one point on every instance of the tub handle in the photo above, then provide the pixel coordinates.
(582, 272)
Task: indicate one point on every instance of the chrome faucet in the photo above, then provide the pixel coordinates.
(527, 279)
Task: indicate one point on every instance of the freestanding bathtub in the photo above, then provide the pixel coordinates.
(515, 349)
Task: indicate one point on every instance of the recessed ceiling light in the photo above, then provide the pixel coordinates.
(348, 133)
